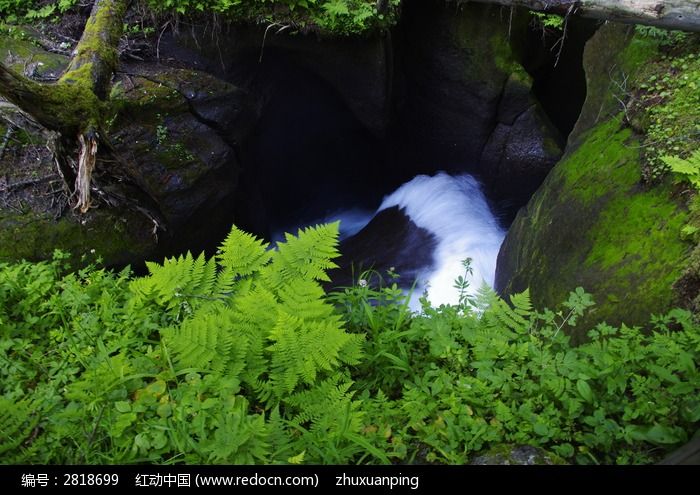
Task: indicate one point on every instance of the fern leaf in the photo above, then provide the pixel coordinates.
(208, 343)
(307, 256)
(240, 255)
(303, 349)
(177, 280)
(305, 299)
(521, 303)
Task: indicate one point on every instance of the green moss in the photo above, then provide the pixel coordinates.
(593, 224)
(326, 17)
(117, 238)
(19, 52)
(666, 106)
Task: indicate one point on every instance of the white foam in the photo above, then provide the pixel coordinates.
(352, 220)
(455, 211)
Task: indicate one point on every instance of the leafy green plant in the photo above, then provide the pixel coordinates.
(457, 380)
(548, 22)
(242, 358)
(687, 169)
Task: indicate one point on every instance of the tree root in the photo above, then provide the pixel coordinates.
(86, 166)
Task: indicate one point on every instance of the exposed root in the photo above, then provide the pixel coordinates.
(86, 166)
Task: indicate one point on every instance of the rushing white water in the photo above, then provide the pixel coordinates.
(455, 211)
(352, 220)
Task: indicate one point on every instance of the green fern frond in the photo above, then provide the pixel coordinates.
(321, 400)
(307, 256)
(302, 349)
(688, 169)
(501, 312)
(205, 343)
(178, 280)
(522, 304)
(304, 298)
(240, 255)
(240, 437)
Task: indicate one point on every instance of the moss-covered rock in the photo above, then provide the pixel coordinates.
(118, 237)
(593, 224)
(174, 133)
(610, 58)
(24, 55)
(177, 130)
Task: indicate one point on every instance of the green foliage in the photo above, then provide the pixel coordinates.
(237, 359)
(338, 17)
(335, 17)
(548, 22)
(13, 11)
(667, 107)
(664, 36)
(457, 380)
(688, 170)
(242, 358)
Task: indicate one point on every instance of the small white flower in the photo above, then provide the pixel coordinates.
(362, 282)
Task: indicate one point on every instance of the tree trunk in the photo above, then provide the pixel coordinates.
(666, 14)
(75, 106)
(95, 57)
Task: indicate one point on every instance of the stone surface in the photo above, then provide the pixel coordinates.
(520, 455)
(391, 241)
(175, 132)
(592, 224)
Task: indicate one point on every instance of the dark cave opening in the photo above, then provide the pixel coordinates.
(308, 155)
(557, 70)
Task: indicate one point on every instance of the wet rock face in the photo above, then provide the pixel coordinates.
(468, 102)
(177, 131)
(518, 156)
(592, 224)
(521, 455)
(391, 241)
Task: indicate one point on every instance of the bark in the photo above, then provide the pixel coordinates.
(666, 14)
(75, 106)
(95, 57)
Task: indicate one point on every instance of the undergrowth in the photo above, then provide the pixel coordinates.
(244, 359)
(335, 17)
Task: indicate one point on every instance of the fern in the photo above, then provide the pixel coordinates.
(17, 423)
(240, 255)
(688, 169)
(208, 343)
(307, 256)
(178, 283)
(516, 319)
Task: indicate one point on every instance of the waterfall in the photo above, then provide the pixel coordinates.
(455, 211)
(425, 229)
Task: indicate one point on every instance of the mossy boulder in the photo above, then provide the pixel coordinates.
(177, 130)
(174, 132)
(593, 224)
(21, 52)
(118, 237)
